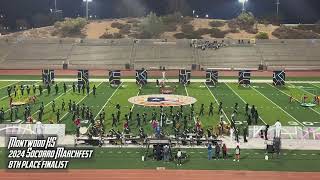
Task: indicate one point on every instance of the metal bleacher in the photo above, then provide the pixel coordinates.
(153, 53)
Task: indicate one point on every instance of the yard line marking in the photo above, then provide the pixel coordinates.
(185, 88)
(9, 85)
(217, 102)
(108, 100)
(80, 101)
(314, 85)
(278, 106)
(242, 100)
(136, 95)
(297, 99)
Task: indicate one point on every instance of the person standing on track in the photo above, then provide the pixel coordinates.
(179, 156)
(224, 151)
(209, 151)
(64, 88)
(237, 154)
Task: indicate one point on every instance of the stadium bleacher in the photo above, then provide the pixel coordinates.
(117, 54)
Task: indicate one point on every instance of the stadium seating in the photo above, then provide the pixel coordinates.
(150, 54)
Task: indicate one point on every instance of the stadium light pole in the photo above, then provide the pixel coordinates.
(243, 4)
(87, 8)
(278, 3)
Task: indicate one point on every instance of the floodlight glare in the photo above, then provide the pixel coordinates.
(243, 4)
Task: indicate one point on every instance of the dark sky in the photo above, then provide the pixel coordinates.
(292, 11)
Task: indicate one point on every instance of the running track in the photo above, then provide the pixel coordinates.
(156, 175)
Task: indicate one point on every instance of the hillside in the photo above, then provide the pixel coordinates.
(183, 28)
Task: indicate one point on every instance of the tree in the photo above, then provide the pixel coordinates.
(262, 35)
(69, 27)
(152, 24)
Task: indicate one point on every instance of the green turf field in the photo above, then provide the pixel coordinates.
(130, 158)
(272, 102)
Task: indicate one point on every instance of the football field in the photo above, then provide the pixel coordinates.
(271, 102)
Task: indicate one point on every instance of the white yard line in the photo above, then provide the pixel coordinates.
(217, 102)
(114, 92)
(297, 99)
(185, 88)
(136, 95)
(314, 85)
(80, 101)
(9, 85)
(277, 106)
(52, 100)
(243, 101)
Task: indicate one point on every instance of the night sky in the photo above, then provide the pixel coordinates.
(292, 11)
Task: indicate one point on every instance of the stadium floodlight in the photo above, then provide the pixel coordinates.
(243, 4)
(87, 7)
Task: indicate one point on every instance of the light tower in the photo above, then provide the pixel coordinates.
(278, 3)
(87, 8)
(243, 2)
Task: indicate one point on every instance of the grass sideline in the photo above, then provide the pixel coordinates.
(130, 158)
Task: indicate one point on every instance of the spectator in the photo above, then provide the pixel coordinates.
(217, 150)
(179, 156)
(237, 154)
(209, 152)
(224, 151)
(166, 153)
